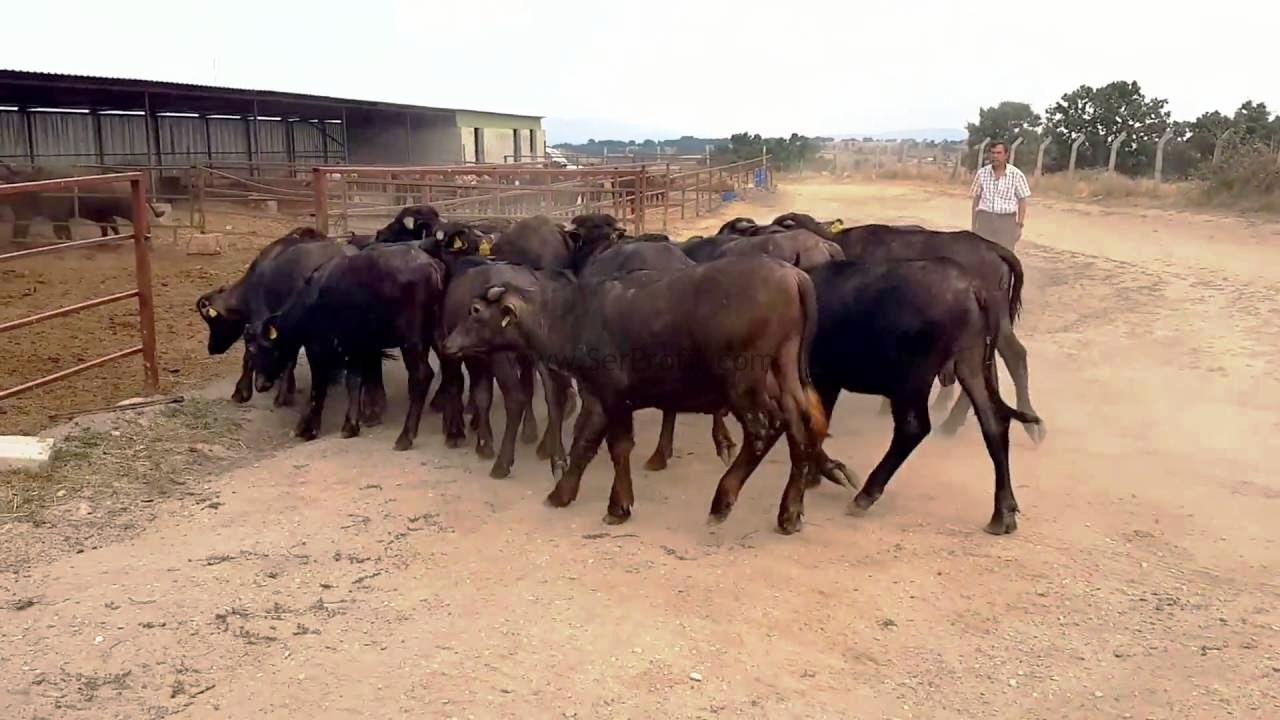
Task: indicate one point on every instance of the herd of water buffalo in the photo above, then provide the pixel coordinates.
(768, 323)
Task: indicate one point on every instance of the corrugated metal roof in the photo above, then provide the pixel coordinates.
(48, 82)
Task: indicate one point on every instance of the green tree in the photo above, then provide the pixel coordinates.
(785, 153)
(1007, 121)
(1101, 114)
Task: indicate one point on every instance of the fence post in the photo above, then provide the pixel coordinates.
(982, 150)
(1217, 145)
(320, 188)
(1040, 156)
(642, 186)
(955, 167)
(902, 152)
(142, 276)
(1160, 153)
(1075, 149)
(1115, 148)
(1013, 149)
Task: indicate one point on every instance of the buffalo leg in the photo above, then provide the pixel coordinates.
(831, 469)
(481, 373)
(666, 439)
(439, 400)
(759, 433)
(528, 433)
(791, 508)
(244, 384)
(620, 436)
(588, 433)
(506, 370)
(720, 437)
(356, 371)
(455, 428)
(418, 366)
(472, 408)
(373, 404)
(1014, 354)
(322, 369)
(910, 426)
(993, 417)
(555, 389)
(288, 385)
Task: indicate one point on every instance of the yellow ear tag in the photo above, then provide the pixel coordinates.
(457, 244)
(835, 226)
(210, 312)
(486, 246)
(272, 334)
(506, 320)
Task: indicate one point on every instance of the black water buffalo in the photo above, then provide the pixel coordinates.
(888, 328)
(412, 224)
(999, 272)
(650, 339)
(275, 274)
(536, 242)
(802, 248)
(469, 273)
(346, 315)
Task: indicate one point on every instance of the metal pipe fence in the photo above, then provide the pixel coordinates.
(142, 277)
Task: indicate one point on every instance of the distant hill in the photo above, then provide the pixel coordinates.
(919, 134)
(579, 130)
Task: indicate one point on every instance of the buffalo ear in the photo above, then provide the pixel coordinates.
(573, 236)
(619, 233)
(494, 293)
(509, 314)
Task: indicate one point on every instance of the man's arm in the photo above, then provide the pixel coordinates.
(1022, 190)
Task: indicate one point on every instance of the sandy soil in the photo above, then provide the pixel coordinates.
(340, 579)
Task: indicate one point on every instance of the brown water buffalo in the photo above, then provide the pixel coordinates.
(650, 339)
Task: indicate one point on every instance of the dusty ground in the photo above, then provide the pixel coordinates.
(341, 579)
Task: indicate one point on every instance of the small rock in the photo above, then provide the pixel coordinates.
(1097, 693)
(696, 677)
(1013, 683)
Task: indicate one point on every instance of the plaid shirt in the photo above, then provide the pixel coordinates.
(999, 196)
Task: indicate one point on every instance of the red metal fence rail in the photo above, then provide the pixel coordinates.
(142, 288)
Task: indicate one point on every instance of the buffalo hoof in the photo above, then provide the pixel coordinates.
(838, 473)
(241, 396)
(556, 501)
(455, 442)
(499, 471)
(350, 430)
(372, 418)
(403, 442)
(861, 503)
(1036, 431)
(655, 462)
(1002, 523)
(617, 516)
(789, 522)
(714, 519)
(726, 454)
(306, 432)
(484, 450)
(558, 467)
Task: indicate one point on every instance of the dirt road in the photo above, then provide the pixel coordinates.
(339, 579)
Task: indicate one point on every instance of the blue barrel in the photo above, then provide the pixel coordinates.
(760, 177)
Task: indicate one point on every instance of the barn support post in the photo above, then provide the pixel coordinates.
(152, 125)
(1075, 150)
(346, 139)
(29, 124)
(1160, 153)
(1115, 148)
(255, 147)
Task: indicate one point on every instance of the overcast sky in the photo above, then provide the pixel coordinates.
(700, 67)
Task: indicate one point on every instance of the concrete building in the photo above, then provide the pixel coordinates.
(52, 119)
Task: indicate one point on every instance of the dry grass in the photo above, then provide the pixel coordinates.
(1085, 186)
(149, 454)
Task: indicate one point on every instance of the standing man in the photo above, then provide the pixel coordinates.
(1000, 193)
